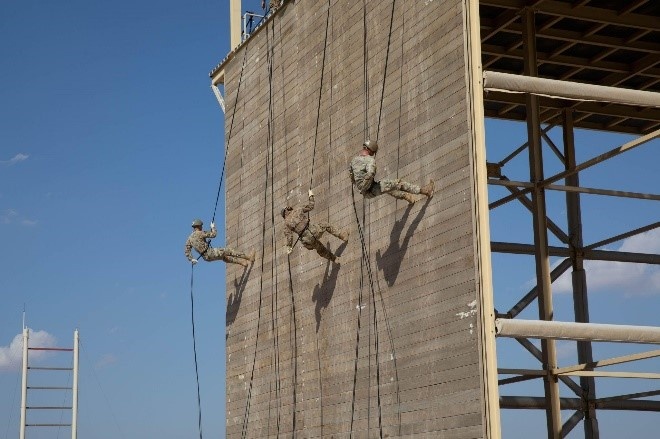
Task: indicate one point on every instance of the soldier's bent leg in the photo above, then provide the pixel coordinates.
(236, 254)
(327, 227)
(235, 260)
(400, 195)
(214, 254)
(399, 185)
(316, 230)
(324, 252)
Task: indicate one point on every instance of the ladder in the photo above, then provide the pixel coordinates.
(25, 387)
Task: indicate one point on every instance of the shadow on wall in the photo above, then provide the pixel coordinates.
(234, 299)
(325, 289)
(390, 260)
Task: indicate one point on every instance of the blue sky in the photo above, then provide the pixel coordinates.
(111, 144)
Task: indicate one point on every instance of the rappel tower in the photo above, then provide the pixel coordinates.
(398, 340)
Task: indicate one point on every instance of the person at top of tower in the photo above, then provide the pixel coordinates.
(362, 171)
(296, 220)
(200, 240)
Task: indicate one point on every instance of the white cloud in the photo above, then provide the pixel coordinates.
(623, 277)
(106, 360)
(16, 159)
(11, 356)
(10, 216)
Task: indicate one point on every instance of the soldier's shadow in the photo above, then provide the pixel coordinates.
(390, 260)
(325, 289)
(234, 299)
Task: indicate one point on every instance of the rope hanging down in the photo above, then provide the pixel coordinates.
(318, 108)
(273, 268)
(318, 115)
(366, 262)
(231, 128)
(192, 272)
(269, 170)
(192, 318)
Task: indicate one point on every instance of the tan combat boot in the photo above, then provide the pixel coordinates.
(251, 256)
(243, 262)
(427, 189)
(344, 235)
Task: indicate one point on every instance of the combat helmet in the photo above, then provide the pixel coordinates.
(371, 145)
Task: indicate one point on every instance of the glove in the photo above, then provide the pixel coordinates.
(289, 250)
(311, 194)
(193, 261)
(213, 225)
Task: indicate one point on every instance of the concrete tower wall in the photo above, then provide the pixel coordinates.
(312, 349)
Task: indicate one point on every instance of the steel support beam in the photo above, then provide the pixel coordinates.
(531, 402)
(594, 255)
(533, 293)
(542, 258)
(582, 166)
(579, 279)
(532, 349)
(514, 188)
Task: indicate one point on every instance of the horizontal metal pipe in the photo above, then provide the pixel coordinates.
(569, 90)
(535, 402)
(584, 190)
(594, 255)
(516, 328)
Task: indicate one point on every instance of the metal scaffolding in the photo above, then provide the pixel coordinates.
(513, 90)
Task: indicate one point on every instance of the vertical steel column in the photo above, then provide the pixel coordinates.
(549, 357)
(580, 298)
(74, 405)
(26, 336)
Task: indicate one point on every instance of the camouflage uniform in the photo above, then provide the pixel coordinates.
(363, 174)
(297, 223)
(198, 241)
(274, 4)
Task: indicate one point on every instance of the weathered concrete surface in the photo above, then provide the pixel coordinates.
(312, 351)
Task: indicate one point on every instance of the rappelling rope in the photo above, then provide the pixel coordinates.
(365, 254)
(192, 318)
(192, 272)
(367, 264)
(365, 60)
(293, 320)
(318, 108)
(318, 116)
(274, 290)
(387, 57)
(268, 166)
(231, 128)
(246, 414)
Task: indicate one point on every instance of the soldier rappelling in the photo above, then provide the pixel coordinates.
(200, 240)
(297, 223)
(363, 175)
